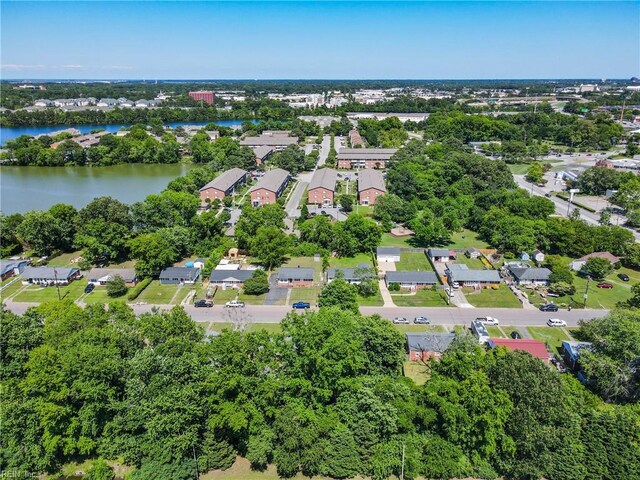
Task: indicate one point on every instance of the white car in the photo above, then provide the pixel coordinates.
(401, 320)
(234, 303)
(488, 321)
(556, 322)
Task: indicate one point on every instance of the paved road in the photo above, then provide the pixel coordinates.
(324, 149)
(438, 316)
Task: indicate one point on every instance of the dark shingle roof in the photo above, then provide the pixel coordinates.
(180, 272)
(324, 178)
(348, 273)
(369, 178)
(530, 273)
(387, 251)
(429, 342)
(226, 180)
(296, 273)
(48, 273)
(230, 275)
(417, 277)
(272, 180)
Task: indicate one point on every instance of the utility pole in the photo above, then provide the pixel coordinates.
(586, 291)
(55, 275)
(195, 461)
(402, 471)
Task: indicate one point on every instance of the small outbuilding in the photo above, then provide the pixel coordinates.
(388, 254)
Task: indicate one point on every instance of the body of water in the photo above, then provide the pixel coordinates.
(9, 133)
(38, 188)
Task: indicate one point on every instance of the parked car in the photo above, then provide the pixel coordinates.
(301, 305)
(549, 307)
(556, 322)
(402, 320)
(515, 335)
(421, 320)
(488, 320)
(203, 303)
(234, 304)
(605, 285)
(89, 288)
(624, 277)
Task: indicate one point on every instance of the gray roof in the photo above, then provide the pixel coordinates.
(230, 275)
(348, 273)
(180, 272)
(467, 275)
(49, 273)
(429, 342)
(272, 180)
(366, 153)
(369, 178)
(530, 273)
(295, 273)
(127, 274)
(412, 277)
(387, 251)
(262, 151)
(439, 252)
(226, 179)
(269, 140)
(324, 178)
(6, 265)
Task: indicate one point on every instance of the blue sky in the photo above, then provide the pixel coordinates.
(274, 40)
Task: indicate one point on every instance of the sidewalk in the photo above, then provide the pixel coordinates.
(386, 296)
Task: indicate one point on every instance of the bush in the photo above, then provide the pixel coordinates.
(394, 287)
(257, 284)
(116, 286)
(139, 288)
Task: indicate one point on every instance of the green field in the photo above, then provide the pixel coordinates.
(488, 297)
(306, 294)
(34, 293)
(159, 294)
(64, 260)
(472, 263)
(413, 261)
(519, 168)
(389, 240)
(351, 262)
(465, 239)
(552, 336)
(422, 298)
(416, 371)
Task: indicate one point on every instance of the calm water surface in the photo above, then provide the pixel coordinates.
(38, 188)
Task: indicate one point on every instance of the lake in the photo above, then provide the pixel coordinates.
(9, 133)
(38, 188)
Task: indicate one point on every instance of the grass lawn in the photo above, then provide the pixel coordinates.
(413, 261)
(423, 298)
(465, 239)
(552, 336)
(351, 262)
(158, 294)
(519, 169)
(99, 295)
(472, 263)
(372, 301)
(34, 293)
(420, 328)
(125, 264)
(495, 332)
(306, 262)
(416, 371)
(252, 327)
(366, 210)
(389, 240)
(64, 260)
(306, 294)
(488, 297)
(11, 289)
(223, 296)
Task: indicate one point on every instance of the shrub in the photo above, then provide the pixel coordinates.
(116, 286)
(139, 288)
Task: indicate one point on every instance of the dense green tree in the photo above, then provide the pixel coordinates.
(152, 252)
(253, 218)
(270, 245)
(339, 293)
(257, 284)
(9, 242)
(597, 268)
(41, 232)
(116, 286)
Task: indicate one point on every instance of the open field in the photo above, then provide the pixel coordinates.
(552, 336)
(64, 260)
(472, 263)
(465, 239)
(413, 261)
(423, 298)
(307, 294)
(35, 293)
(351, 262)
(389, 240)
(157, 293)
(488, 297)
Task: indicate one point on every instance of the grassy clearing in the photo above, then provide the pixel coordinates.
(416, 371)
(389, 240)
(420, 328)
(472, 263)
(372, 301)
(307, 294)
(366, 210)
(413, 261)
(11, 289)
(64, 260)
(351, 262)
(465, 239)
(495, 332)
(241, 470)
(519, 169)
(488, 297)
(158, 294)
(422, 298)
(34, 293)
(99, 295)
(552, 336)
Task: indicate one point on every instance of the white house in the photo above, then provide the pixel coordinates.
(388, 254)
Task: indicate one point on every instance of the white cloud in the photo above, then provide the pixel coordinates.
(14, 66)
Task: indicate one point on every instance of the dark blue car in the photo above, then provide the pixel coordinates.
(301, 305)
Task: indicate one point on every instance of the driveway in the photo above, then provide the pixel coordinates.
(276, 293)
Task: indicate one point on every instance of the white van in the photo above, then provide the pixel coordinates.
(556, 322)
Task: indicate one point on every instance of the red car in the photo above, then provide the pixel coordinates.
(605, 285)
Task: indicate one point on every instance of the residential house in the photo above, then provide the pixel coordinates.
(412, 280)
(571, 353)
(525, 257)
(322, 188)
(10, 268)
(262, 154)
(473, 253)
(295, 277)
(350, 275)
(365, 157)
(370, 186)
(530, 276)
(388, 254)
(534, 347)
(230, 278)
(423, 346)
(537, 256)
(269, 187)
(580, 262)
(100, 276)
(442, 255)
(461, 275)
(179, 275)
(50, 275)
(223, 185)
(107, 102)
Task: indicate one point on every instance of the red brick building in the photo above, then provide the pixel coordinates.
(222, 185)
(370, 186)
(269, 187)
(365, 157)
(206, 96)
(322, 188)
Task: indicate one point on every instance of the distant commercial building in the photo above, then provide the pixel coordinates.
(223, 185)
(370, 186)
(322, 188)
(206, 96)
(269, 187)
(365, 157)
